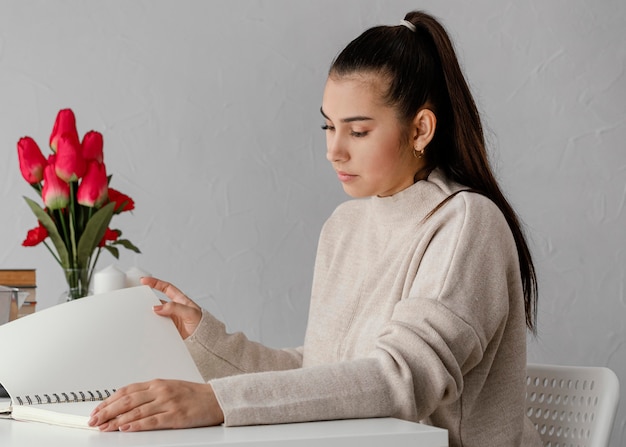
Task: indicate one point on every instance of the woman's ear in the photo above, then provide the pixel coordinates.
(424, 125)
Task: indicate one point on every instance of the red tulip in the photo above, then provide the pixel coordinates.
(73, 184)
(92, 146)
(64, 124)
(109, 235)
(70, 164)
(92, 190)
(55, 193)
(32, 161)
(35, 236)
(122, 201)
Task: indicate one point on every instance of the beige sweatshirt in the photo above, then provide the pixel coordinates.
(419, 320)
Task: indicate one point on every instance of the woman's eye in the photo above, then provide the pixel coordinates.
(358, 134)
(353, 133)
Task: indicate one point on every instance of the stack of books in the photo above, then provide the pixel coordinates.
(26, 281)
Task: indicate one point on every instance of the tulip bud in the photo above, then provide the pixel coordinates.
(92, 146)
(32, 161)
(93, 188)
(70, 164)
(55, 192)
(64, 124)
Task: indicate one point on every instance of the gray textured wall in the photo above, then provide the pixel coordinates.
(210, 114)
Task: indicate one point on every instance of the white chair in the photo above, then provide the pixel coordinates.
(572, 406)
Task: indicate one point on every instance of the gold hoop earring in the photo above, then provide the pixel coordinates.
(417, 153)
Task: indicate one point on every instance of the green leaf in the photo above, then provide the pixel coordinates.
(53, 231)
(94, 231)
(127, 244)
(113, 250)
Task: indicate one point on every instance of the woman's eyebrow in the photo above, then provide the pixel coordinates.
(349, 119)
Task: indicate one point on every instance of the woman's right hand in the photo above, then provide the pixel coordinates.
(184, 312)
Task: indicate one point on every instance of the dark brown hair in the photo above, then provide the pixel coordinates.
(423, 71)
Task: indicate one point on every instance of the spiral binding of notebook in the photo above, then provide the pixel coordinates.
(58, 398)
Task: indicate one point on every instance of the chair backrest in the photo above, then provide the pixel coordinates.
(572, 405)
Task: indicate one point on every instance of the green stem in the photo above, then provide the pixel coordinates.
(37, 187)
(65, 234)
(73, 224)
(53, 253)
(92, 267)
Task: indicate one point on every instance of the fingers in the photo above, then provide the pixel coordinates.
(134, 408)
(186, 318)
(158, 404)
(171, 291)
(172, 309)
(184, 312)
(128, 404)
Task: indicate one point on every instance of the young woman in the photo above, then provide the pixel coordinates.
(422, 293)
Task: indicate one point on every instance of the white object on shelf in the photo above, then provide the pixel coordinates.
(108, 279)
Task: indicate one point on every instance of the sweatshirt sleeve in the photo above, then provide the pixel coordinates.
(455, 312)
(461, 301)
(218, 353)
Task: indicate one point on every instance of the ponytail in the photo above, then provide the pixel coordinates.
(423, 71)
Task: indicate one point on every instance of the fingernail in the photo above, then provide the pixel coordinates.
(124, 427)
(157, 307)
(92, 421)
(103, 427)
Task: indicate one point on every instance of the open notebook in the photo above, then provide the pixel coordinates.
(59, 363)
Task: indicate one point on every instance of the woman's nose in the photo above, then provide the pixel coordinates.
(335, 150)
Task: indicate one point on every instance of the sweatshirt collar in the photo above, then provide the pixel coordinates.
(412, 203)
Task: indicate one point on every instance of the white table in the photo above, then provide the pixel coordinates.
(351, 432)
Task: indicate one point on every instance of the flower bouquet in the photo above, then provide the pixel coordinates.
(79, 204)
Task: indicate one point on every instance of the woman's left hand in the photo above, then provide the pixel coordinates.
(158, 404)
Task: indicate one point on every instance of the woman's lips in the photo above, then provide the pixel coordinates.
(344, 176)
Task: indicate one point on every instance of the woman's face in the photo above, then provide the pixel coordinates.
(369, 148)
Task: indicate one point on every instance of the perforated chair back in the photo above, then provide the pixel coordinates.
(572, 406)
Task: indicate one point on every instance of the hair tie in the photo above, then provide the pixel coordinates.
(408, 24)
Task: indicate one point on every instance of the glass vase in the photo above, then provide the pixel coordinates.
(77, 281)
